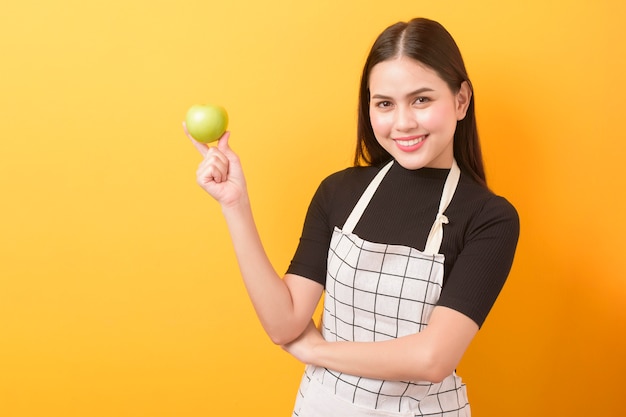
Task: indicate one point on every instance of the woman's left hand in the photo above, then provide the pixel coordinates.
(303, 348)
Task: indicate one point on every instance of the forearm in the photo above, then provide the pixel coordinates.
(429, 355)
(268, 292)
(407, 359)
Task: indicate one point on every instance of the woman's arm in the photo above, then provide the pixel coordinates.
(284, 306)
(430, 355)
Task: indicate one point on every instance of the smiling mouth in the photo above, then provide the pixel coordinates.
(410, 142)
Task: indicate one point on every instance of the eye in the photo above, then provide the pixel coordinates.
(384, 104)
(422, 100)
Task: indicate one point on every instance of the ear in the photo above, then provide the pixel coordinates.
(463, 98)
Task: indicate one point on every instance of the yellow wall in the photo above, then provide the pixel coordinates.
(119, 294)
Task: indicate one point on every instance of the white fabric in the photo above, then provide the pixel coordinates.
(367, 195)
(435, 237)
(320, 402)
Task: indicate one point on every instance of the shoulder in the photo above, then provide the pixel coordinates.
(485, 200)
(485, 208)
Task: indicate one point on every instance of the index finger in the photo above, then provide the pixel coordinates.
(203, 148)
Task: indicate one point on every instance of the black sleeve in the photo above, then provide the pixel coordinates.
(310, 258)
(483, 265)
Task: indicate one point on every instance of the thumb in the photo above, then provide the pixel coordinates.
(223, 145)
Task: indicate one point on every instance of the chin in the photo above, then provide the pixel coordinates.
(410, 163)
(418, 160)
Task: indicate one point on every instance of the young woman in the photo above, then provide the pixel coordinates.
(409, 246)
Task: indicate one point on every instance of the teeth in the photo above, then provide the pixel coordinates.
(410, 142)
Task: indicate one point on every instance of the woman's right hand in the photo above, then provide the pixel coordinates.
(220, 173)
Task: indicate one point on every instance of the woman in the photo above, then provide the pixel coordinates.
(410, 246)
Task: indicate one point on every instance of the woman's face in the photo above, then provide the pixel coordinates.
(414, 113)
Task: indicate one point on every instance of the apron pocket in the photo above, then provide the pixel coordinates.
(318, 402)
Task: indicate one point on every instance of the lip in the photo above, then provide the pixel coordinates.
(410, 143)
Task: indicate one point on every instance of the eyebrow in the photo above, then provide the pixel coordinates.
(414, 93)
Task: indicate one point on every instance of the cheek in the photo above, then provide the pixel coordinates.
(380, 124)
(436, 118)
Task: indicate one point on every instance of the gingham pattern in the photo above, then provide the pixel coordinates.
(376, 292)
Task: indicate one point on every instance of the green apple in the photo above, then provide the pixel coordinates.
(206, 122)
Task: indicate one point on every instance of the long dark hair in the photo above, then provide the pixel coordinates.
(429, 43)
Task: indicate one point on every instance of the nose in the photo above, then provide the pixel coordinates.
(405, 119)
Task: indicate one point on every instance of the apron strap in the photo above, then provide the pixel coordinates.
(433, 243)
(360, 207)
(435, 237)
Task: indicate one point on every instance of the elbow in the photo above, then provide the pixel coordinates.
(283, 335)
(280, 339)
(287, 331)
(281, 332)
(436, 376)
(437, 367)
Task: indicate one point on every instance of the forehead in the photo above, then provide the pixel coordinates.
(403, 73)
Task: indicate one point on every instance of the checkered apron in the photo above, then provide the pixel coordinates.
(376, 292)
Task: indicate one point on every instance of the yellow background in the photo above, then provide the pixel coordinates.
(119, 292)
